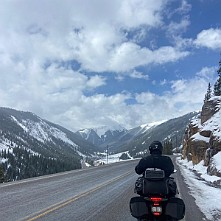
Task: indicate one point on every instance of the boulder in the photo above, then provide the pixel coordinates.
(197, 149)
(205, 133)
(209, 109)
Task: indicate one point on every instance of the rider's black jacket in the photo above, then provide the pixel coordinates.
(155, 161)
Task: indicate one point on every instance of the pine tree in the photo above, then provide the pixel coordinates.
(208, 93)
(219, 69)
(217, 85)
(168, 146)
(2, 177)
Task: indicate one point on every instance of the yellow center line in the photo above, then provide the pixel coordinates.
(62, 204)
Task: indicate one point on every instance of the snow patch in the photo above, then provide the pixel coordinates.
(198, 137)
(207, 196)
(112, 158)
(146, 127)
(20, 124)
(217, 161)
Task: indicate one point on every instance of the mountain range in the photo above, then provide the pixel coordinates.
(138, 139)
(26, 141)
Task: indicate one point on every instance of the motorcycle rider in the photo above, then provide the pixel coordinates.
(154, 194)
(155, 160)
(159, 161)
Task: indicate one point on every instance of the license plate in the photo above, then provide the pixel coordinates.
(156, 210)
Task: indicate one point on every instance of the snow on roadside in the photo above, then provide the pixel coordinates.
(112, 158)
(207, 196)
(216, 159)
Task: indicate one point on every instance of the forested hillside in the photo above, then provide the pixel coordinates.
(31, 146)
(19, 163)
(170, 132)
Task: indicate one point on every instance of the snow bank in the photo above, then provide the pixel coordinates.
(200, 183)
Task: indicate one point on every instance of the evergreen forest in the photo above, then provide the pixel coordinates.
(19, 163)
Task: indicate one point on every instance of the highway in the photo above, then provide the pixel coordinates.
(95, 194)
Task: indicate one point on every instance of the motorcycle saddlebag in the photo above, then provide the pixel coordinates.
(175, 208)
(138, 207)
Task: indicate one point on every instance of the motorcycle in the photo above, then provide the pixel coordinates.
(156, 200)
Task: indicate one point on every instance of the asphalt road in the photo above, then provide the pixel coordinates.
(96, 194)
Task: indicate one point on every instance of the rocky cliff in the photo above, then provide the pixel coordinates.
(202, 139)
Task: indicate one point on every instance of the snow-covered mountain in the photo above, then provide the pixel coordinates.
(102, 136)
(114, 136)
(24, 135)
(172, 130)
(41, 130)
(90, 135)
(27, 142)
(137, 140)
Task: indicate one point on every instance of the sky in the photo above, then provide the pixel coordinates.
(90, 63)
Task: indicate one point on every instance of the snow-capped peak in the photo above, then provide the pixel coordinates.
(146, 127)
(100, 131)
(103, 129)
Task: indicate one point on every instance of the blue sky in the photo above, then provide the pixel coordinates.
(90, 63)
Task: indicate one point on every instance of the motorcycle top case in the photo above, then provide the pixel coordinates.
(153, 187)
(175, 208)
(138, 207)
(154, 174)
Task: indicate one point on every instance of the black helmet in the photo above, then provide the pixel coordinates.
(156, 147)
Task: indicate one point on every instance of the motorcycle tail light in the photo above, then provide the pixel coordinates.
(156, 199)
(156, 208)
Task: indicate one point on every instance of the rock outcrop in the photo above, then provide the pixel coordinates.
(202, 139)
(209, 109)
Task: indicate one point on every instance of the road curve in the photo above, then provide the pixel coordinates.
(96, 194)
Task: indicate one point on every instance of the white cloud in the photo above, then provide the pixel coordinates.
(96, 81)
(182, 42)
(163, 82)
(184, 8)
(130, 55)
(184, 96)
(151, 107)
(139, 75)
(39, 40)
(187, 95)
(168, 54)
(91, 33)
(135, 13)
(57, 95)
(210, 38)
(176, 28)
(208, 73)
(99, 110)
(179, 86)
(96, 54)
